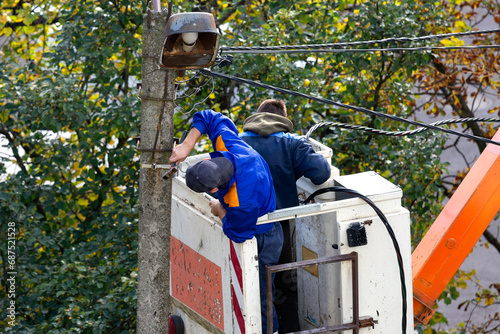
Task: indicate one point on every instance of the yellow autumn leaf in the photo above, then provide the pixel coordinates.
(6, 31)
(108, 201)
(28, 19)
(92, 197)
(340, 88)
(28, 29)
(94, 97)
(83, 202)
(461, 26)
(119, 189)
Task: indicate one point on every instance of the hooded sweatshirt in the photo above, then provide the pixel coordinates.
(289, 156)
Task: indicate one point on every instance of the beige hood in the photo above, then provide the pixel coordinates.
(265, 124)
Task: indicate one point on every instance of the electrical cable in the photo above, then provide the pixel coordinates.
(345, 106)
(194, 90)
(344, 44)
(384, 220)
(420, 48)
(198, 103)
(398, 133)
(184, 81)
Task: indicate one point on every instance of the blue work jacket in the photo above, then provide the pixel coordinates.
(250, 192)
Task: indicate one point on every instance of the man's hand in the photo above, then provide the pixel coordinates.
(181, 151)
(217, 209)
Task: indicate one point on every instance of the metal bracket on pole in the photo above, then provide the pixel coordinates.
(155, 166)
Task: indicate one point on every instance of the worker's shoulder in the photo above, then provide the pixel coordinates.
(292, 136)
(289, 136)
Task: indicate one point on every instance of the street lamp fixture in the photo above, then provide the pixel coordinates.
(192, 41)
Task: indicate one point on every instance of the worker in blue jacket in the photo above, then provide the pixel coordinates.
(289, 157)
(242, 182)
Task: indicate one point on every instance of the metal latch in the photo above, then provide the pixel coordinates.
(367, 322)
(356, 235)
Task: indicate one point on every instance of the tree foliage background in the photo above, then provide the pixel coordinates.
(70, 114)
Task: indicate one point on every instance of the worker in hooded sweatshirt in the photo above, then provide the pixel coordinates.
(289, 157)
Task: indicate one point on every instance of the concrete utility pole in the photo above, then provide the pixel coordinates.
(155, 193)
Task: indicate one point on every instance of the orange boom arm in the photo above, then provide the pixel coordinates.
(455, 231)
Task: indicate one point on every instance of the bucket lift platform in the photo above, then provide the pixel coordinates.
(215, 284)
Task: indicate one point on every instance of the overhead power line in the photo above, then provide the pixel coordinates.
(263, 50)
(356, 43)
(345, 106)
(398, 133)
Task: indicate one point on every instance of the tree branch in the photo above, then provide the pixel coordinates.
(38, 21)
(18, 6)
(230, 12)
(492, 240)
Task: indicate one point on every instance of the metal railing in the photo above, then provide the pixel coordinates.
(355, 325)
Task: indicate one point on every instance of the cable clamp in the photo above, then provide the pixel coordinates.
(149, 56)
(156, 166)
(143, 97)
(154, 150)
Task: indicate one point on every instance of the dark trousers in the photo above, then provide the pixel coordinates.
(285, 295)
(268, 247)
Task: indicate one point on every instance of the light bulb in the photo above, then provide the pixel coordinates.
(189, 39)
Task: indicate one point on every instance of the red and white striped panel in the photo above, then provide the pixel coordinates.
(237, 289)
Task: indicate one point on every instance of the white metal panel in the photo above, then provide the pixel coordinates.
(378, 272)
